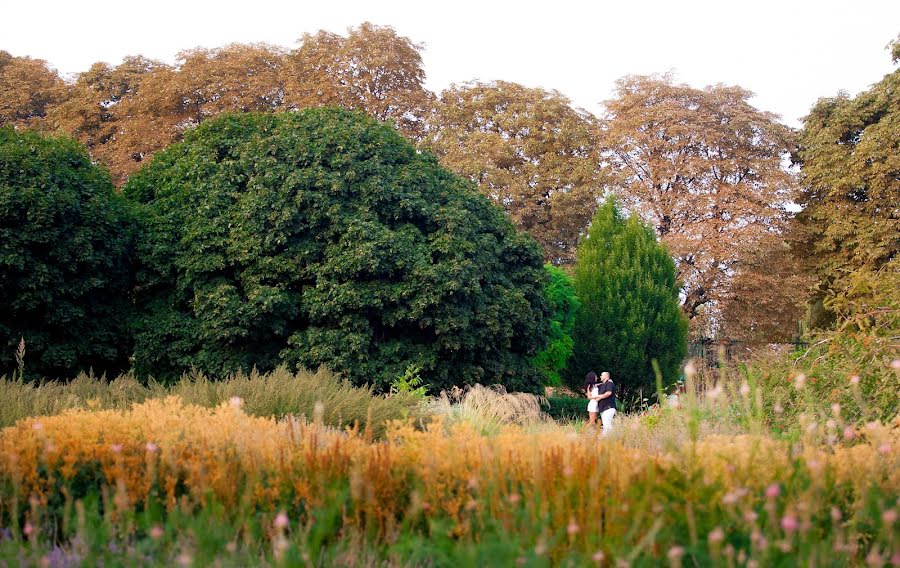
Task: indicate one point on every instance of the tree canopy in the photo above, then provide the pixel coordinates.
(529, 151)
(65, 252)
(850, 155)
(323, 237)
(706, 168)
(629, 313)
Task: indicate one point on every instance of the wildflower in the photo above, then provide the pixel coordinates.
(884, 448)
(773, 491)
(231, 547)
(28, 529)
(185, 559)
(831, 424)
(573, 528)
(750, 517)
(716, 536)
(151, 447)
(800, 381)
(473, 483)
(730, 498)
(471, 505)
(895, 559)
(540, 548)
(156, 532)
(236, 402)
(116, 448)
(889, 517)
(895, 364)
(714, 392)
(568, 471)
(854, 380)
(281, 521)
(849, 433)
(513, 498)
(874, 558)
(836, 410)
(37, 426)
(690, 370)
(675, 553)
(598, 557)
(789, 524)
(521, 561)
(836, 514)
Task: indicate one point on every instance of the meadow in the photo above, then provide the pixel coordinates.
(241, 472)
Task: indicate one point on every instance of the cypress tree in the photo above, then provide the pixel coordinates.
(629, 314)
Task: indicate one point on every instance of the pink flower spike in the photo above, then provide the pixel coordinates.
(675, 553)
(717, 535)
(151, 447)
(789, 524)
(889, 517)
(116, 448)
(281, 521)
(849, 433)
(773, 491)
(884, 449)
(156, 532)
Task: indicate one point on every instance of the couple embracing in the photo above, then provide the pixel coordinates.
(602, 395)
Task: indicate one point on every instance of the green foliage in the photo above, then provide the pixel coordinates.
(850, 153)
(65, 246)
(566, 408)
(629, 313)
(564, 304)
(276, 394)
(852, 366)
(323, 237)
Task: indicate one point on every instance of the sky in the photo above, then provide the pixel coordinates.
(788, 53)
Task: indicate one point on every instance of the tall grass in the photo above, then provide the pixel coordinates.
(165, 482)
(276, 394)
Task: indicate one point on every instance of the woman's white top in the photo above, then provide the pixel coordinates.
(592, 405)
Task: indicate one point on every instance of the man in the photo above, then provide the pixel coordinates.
(607, 402)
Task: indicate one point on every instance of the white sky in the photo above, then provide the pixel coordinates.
(788, 53)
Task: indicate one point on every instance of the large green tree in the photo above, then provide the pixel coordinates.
(629, 312)
(323, 237)
(850, 156)
(65, 246)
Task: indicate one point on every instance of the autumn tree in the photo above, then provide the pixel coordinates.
(706, 168)
(322, 237)
(850, 155)
(28, 87)
(371, 69)
(529, 151)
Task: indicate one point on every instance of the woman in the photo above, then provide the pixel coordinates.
(592, 391)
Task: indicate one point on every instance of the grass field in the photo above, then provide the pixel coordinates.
(463, 481)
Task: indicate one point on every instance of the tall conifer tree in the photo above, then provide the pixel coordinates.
(629, 312)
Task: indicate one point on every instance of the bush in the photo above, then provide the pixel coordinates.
(65, 245)
(323, 237)
(566, 408)
(629, 314)
(563, 306)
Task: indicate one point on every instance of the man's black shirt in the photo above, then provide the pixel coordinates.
(610, 401)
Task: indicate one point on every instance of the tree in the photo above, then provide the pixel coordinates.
(706, 168)
(28, 87)
(65, 249)
(563, 304)
(629, 314)
(372, 69)
(850, 156)
(529, 151)
(323, 237)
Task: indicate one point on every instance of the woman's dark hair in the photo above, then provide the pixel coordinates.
(590, 379)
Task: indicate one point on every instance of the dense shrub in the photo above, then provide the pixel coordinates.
(323, 237)
(65, 245)
(563, 306)
(566, 408)
(629, 314)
